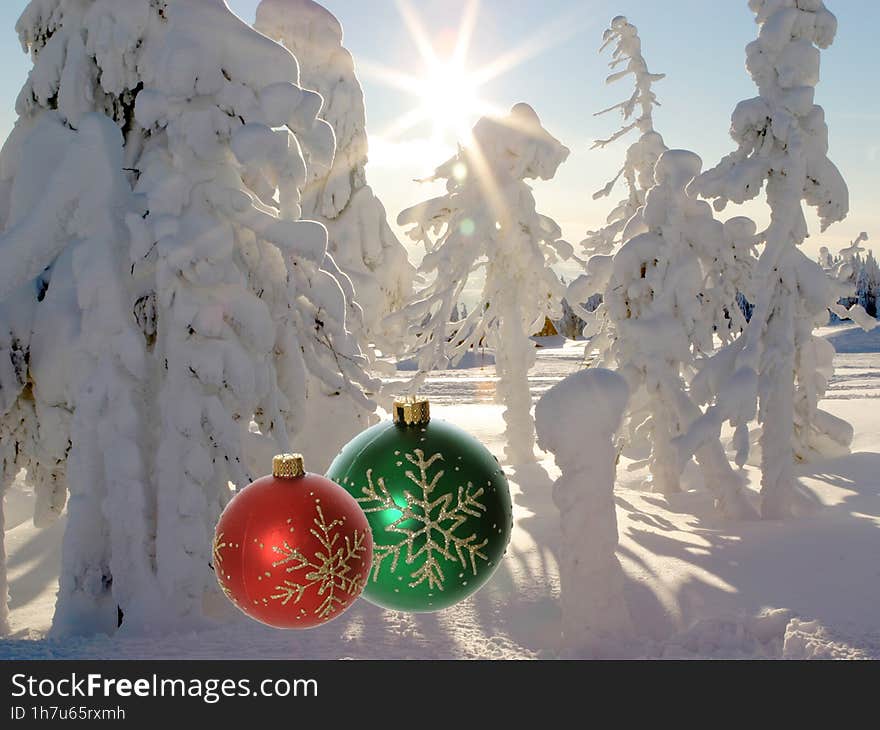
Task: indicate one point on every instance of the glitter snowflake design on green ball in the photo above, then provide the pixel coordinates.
(429, 526)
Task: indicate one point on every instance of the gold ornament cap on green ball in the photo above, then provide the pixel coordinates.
(438, 505)
(412, 411)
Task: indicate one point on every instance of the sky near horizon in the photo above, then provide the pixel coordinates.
(547, 50)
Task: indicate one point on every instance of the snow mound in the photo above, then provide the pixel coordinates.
(586, 404)
(772, 634)
(576, 420)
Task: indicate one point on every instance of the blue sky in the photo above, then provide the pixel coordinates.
(698, 44)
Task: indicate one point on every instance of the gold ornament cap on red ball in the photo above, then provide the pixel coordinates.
(412, 411)
(288, 466)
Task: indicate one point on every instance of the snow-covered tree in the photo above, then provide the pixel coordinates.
(846, 262)
(666, 294)
(865, 276)
(167, 319)
(638, 114)
(361, 241)
(857, 277)
(776, 370)
(486, 229)
(866, 284)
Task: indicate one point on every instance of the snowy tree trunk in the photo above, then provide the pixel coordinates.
(769, 347)
(85, 586)
(109, 539)
(199, 453)
(664, 459)
(514, 357)
(594, 610)
(777, 411)
(185, 508)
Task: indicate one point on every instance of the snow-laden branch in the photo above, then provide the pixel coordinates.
(33, 240)
(360, 239)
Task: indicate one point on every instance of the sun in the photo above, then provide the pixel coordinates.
(449, 96)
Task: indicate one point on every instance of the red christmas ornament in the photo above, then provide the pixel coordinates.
(292, 550)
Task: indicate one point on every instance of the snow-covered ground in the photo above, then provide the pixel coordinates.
(696, 586)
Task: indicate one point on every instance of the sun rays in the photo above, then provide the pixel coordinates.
(446, 94)
(449, 95)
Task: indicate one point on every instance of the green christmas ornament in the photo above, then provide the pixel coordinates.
(438, 505)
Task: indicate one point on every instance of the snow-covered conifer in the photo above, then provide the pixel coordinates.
(486, 229)
(782, 143)
(176, 320)
(665, 297)
(638, 114)
(857, 280)
(361, 241)
(817, 433)
(863, 275)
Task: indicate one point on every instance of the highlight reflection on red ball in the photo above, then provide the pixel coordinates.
(293, 552)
